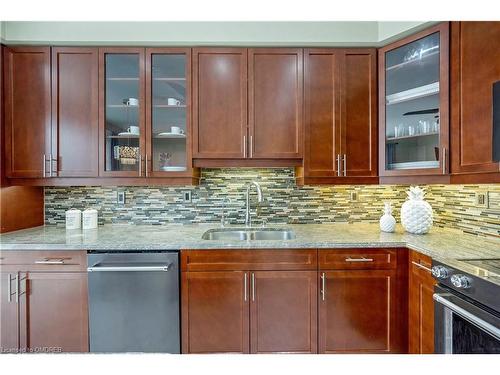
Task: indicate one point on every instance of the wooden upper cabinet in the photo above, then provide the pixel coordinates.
(168, 105)
(27, 111)
(475, 68)
(322, 112)
(359, 113)
(75, 121)
(283, 312)
(53, 311)
(215, 312)
(275, 78)
(219, 103)
(421, 305)
(122, 130)
(340, 114)
(414, 105)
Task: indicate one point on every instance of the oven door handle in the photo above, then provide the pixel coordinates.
(491, 329)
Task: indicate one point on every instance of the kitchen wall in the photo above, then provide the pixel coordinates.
(330, 33)
(224, 190)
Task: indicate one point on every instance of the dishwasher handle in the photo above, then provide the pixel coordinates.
(98, 268)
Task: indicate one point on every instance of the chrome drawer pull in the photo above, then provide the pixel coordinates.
(50, 261)
(422, 266)
(359, 259)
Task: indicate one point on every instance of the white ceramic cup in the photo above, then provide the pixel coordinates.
(133, 129)
(173, 101)
(176, 130)
(132, 102)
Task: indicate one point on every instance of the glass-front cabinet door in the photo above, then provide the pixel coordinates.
(414, 104)
(168, 101)
(121, 117)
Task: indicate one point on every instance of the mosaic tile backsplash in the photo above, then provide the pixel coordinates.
(223, 190)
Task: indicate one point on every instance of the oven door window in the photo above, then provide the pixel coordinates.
(469, 339)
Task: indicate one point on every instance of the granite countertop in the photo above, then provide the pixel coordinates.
(445, 245)
(438, 243)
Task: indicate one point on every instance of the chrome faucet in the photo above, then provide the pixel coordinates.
(260, 198)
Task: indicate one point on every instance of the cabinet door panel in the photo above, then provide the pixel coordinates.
(122, 112)
(357, 313)
(219, 102)
(54, 312)
(359, 114)
(74, 111)
(283, 312)
(275, 103)
(9, 337)
(27, 111)
(475, 67)
(421, 306)
(322, 115)
(215, 312)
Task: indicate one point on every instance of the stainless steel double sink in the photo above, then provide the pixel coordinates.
(249, 234)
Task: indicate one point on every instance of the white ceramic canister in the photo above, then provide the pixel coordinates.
(73, 219)
(90, 219)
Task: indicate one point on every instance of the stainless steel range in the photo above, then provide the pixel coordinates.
(467, 306)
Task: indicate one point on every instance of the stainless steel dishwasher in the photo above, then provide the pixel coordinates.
(134, 302)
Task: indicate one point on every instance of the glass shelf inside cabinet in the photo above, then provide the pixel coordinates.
(412, 105)
(122, 131)
(169, 96)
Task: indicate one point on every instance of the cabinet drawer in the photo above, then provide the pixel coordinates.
(347, 259)
(63, 261)
(255, 259)
(420, 264)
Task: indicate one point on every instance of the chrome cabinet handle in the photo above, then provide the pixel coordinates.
(251, 146)
(98, 268)
(422, 266)
(146, 165)
(52, 162)
(50, 261)
(44, 165)
(363, 259)
(50, 165)
(17, 288)
(444, 160)
(338, 165)
(140, 165)
(323, 286)
(245, 287)
(253, 286)
(345, 165)
(9, 288)
(244, 146)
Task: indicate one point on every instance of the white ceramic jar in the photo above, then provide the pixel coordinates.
(90, 219)
(73, 219)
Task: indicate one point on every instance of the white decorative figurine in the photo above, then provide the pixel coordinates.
(416, 214)
(387, 221)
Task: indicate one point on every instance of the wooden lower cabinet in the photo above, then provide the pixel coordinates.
(249, 301)
(421, 305)
(9, 324)
(357, 311)
(47, 311)
(283, 312)
(53, 312)
(215, 312)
